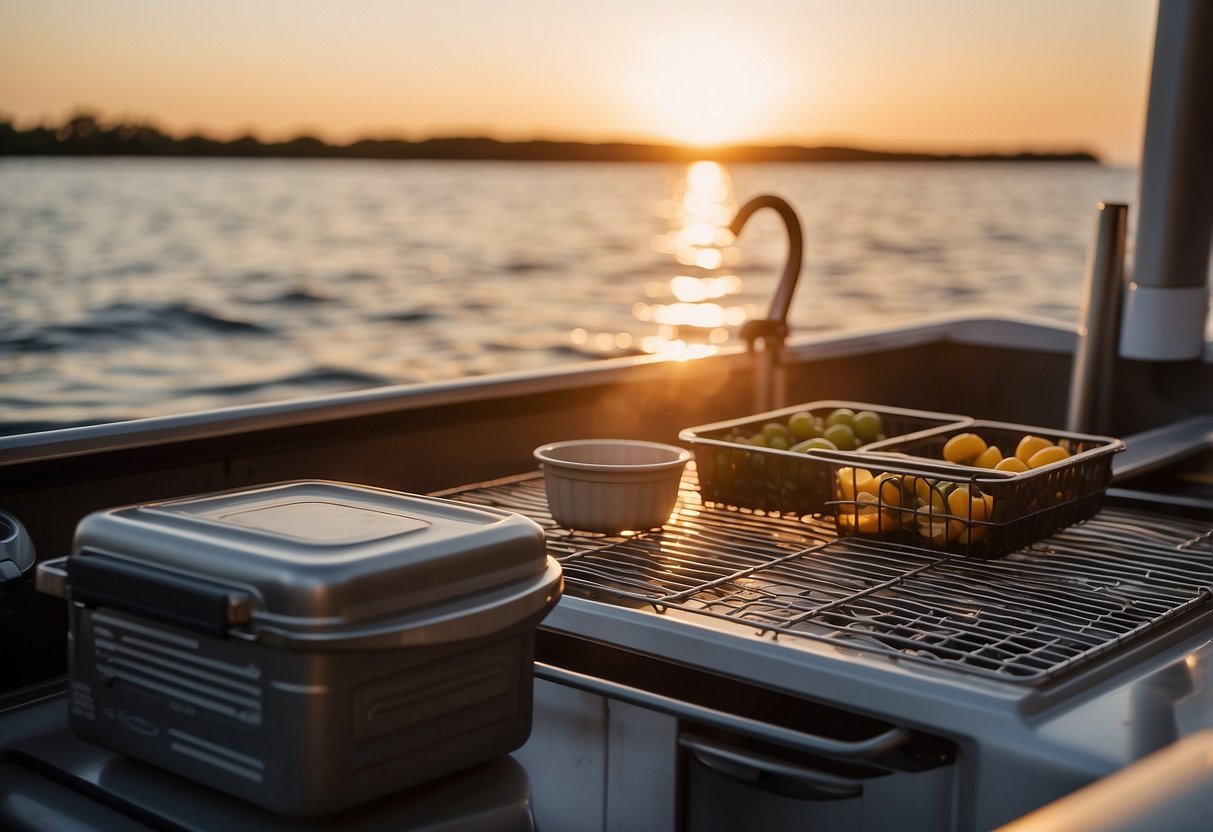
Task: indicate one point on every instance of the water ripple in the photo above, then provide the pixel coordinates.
(126, 281)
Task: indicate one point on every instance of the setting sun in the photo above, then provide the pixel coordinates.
(931, 77)
(705, 84)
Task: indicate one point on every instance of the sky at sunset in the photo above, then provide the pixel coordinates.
(934, 75)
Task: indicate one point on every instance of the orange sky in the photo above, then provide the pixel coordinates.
(965, 75)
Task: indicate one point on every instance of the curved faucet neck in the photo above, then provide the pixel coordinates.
(766, 337)
(782, 301)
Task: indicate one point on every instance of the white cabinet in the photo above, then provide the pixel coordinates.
(599, 765)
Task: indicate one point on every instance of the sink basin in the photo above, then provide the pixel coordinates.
(1168, 465)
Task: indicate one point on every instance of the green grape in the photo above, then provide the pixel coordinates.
(776, 430)
(816, 442)
(843, 436)
(841, 416)
(803, 426)
(868, 426)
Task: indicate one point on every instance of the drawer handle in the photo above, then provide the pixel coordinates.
(769, 773)
(847, 750)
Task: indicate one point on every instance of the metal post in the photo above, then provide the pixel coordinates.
(1099, 322)
(1166, 305)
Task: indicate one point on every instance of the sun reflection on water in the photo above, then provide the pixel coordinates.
(697, 319)
(694, 312)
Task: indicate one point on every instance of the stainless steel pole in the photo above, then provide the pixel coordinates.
(1166, 305)
(1099, 323)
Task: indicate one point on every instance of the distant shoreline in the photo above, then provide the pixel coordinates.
(84, 135)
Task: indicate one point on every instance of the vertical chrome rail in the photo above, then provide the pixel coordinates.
(1166, 305)
(1099, 323)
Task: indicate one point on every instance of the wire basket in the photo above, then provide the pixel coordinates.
(903, 490)
(734, 473)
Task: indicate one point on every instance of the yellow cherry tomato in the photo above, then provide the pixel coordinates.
(963, 448)
(1013, 464)
(966, 505)
(853, 481)
(1047, 456)
(988, 458)
(1030, 445)
(934, 528)
(920, 487)
(865, 516)
(888, 489)
(970, 509)
(965, 534)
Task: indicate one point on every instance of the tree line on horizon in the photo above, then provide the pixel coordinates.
(83, 134)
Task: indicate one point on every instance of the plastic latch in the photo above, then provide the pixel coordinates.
(9, 573)
(158, 594)
(17, 554)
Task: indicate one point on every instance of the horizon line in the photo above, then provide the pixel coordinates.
(85, 123)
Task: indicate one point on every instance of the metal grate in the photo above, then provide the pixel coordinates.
(1028, 617)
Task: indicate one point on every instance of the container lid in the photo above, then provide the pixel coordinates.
(313, 560)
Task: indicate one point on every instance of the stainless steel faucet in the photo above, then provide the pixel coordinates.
(765, 337)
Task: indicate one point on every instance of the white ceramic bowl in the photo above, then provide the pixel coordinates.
(611, 485)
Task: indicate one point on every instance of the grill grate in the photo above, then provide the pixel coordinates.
(1025, 618)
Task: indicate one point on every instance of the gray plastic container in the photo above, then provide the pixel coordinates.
(307, 646)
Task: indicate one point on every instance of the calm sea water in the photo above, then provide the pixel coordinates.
(136, 287)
